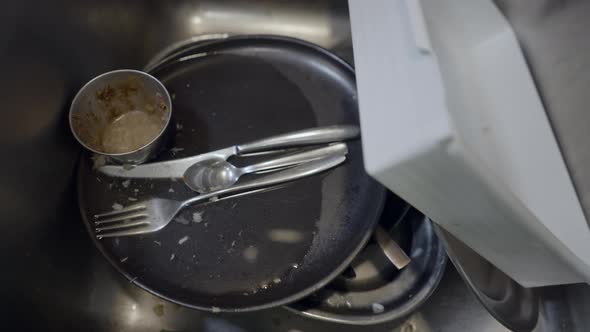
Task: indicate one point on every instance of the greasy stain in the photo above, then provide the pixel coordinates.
(158, 310)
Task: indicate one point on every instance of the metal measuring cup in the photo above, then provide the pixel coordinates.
(108, 97)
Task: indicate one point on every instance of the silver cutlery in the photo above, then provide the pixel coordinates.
(154, 214)
(215, 174)
(391, 249)
(177, 168)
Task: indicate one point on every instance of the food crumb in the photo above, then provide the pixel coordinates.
(133, 199)
(178, 126)
(126, 183)
(124, 259)
(233, 243)
(135, 190)
(173, 96)
(234, 205)
(377, 308)
(172, 256)
(215, 310)
(98, 161)
(170, 190)
(188, 85)
(250, 254)
(276, 280)
(197, 217)
(181, 220)
(158, 243)
(183, 239)
(206, 224)
(117, 207)
(176, 150)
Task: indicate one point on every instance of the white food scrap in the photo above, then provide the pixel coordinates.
(126, 183)
(170, 190)
(377, 308)
(172, 256)
(183, 239)
(133, 199)
(215, 310)
(158, 243)
(178, 126)
(197, 217)
(124, 259)
(117, 207)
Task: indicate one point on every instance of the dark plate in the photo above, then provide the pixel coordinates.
(264, 249)
(375, 291)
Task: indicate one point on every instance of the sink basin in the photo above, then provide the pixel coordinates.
(54, 279)
(48, 51)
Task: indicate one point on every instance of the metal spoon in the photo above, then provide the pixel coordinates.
(215, 174)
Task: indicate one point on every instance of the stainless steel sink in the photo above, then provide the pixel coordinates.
(54, 279)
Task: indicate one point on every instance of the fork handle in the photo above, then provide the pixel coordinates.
(272, 179)
(319, 135)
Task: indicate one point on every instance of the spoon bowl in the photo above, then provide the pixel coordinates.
(211, 174)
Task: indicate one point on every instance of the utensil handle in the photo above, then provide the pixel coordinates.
(297, 158)
(272, 179)
(391, 249)
(311, 136)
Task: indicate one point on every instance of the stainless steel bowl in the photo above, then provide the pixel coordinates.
(112, 95)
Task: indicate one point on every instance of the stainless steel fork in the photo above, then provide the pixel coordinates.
(154, 214)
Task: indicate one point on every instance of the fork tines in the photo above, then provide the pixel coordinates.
(121, 222)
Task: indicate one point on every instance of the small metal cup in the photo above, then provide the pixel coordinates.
(110, 95)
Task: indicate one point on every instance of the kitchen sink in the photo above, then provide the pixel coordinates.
(54, 278)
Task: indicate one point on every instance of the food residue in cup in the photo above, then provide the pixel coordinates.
(130, 131)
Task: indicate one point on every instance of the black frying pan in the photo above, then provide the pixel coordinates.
(260, 250)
